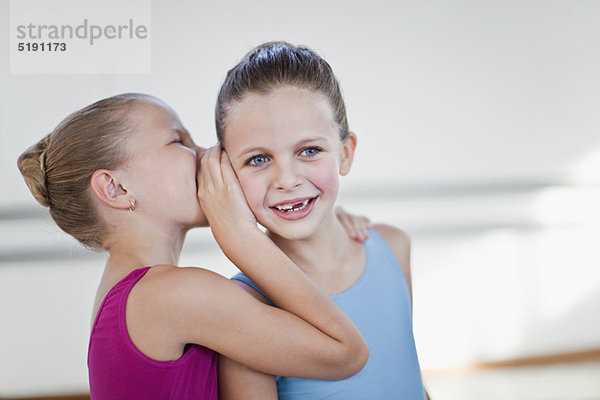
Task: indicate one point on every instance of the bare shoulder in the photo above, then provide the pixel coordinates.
(399, 243)
(173, 297)
(167, 292)
(171, 272)
(162, 303)
(168, 281)
(395, 238)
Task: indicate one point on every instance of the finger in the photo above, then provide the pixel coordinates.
(200, 151)
(362, 223)
(209, 168)
(205, 161)
(217, 164)
(364, 226)
(360, 227)
(227, 169)
(348, 225)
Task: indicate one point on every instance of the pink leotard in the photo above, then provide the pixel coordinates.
(119, 370)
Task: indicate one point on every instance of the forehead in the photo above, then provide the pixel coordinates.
(150, 113)
(150, 120)
(284, 112)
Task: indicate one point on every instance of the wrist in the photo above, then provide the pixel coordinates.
(245, 230)
(235, 231)
(243, 243)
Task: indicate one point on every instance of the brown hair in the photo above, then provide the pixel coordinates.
(58, 169)
(275, 64)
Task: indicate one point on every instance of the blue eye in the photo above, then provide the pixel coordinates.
(257, 160)
(310, 151)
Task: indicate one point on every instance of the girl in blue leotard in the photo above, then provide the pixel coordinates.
(281, 118)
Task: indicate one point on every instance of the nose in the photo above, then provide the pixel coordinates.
(287, 176)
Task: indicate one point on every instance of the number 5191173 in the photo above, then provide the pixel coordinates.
(44, 46)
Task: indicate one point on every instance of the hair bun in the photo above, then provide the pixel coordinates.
(32, 164)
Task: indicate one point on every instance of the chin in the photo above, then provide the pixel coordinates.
(292, 232)
(296, 230)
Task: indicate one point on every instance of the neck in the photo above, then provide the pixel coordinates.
(145, 247)
(320, 252)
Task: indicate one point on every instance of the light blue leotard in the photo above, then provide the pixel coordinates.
(379, 304)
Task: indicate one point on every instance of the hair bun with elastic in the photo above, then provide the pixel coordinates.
(32, 164)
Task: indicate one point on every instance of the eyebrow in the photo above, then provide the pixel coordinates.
(300, 143)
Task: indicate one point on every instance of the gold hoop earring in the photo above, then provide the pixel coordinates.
(132, 206)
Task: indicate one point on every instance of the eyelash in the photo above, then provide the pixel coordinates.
(250, 161)
(317, 151)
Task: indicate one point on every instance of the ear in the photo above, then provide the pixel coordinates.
(107, 188)
(348, 153)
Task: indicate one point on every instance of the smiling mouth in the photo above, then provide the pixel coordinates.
(295, 206)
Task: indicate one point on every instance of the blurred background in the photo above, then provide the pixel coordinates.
(479, 134)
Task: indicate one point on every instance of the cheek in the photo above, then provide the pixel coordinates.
(176, 178)
(325, 177)
(254, 191)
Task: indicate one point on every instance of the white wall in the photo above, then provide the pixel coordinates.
(478, 133)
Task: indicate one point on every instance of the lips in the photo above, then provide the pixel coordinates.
(292, 206)
(294, 209)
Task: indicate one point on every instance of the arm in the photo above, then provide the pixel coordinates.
(237, 381)
(308, 337)
(205, 308)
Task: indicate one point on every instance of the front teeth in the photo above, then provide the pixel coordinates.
(293, 207)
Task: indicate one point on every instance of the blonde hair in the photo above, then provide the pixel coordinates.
(58, 169)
